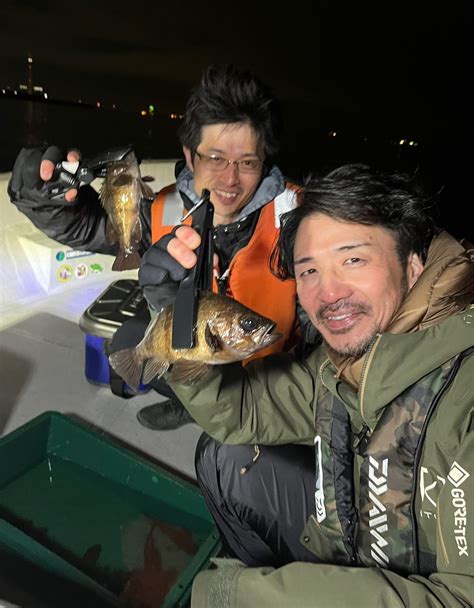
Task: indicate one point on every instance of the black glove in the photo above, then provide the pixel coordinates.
(25, 186)
(160, 274)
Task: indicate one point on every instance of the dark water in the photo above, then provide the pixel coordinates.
(132, 544)
(28, 123)
(441, 158)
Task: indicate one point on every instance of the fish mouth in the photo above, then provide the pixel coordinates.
(269, 336)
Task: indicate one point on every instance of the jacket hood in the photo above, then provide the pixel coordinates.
(445, 286)
(270, 187)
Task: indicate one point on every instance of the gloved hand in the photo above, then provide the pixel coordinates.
(30, 184)
(160, 274)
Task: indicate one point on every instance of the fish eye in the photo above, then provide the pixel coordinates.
(248, 323)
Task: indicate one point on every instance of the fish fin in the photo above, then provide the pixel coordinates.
(213, 341)
(188, 371)
(146, 191)
(110, 233)
(126, 261)
(126, 364)
(153, 368)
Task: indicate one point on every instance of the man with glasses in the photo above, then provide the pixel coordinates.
(230, 136)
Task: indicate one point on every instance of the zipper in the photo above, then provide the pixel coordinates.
(362, 436)
(348, 537)
(417, 458)
(249, 465)
(365, 366)
(322, 367)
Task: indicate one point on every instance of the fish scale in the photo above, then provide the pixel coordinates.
(226, 331)
(121, 195)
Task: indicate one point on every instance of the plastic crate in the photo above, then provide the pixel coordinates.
(86, 509)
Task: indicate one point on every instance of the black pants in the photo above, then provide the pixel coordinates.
(260, 514)
(129, 335)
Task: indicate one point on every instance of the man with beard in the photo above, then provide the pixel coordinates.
(385, 517)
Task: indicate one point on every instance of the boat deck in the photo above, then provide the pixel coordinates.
(42, 348)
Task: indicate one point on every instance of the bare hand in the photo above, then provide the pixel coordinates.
(182, 247)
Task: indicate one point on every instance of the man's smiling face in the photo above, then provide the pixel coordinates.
(350, 280)
(231, 189)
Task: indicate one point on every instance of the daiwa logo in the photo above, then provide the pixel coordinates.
(378, 473)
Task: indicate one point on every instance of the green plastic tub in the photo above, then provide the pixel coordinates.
(85, 509)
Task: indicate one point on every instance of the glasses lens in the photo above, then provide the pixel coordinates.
(217, 163)
(250, 166)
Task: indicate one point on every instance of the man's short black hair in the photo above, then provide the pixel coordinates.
(229, 95)
(363, 195)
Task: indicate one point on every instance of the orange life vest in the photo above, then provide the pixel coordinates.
(250, 280)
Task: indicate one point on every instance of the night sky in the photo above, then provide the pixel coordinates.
(370, 71)
(376, 63)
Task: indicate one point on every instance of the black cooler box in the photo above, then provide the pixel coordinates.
(122, 300)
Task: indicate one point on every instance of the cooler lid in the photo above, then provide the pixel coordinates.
(122, 300)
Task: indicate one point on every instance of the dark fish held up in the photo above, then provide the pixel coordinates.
(226, 331)
(120, 195)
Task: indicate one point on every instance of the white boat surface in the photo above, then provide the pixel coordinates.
(42, 348)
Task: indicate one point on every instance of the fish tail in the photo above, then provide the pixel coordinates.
(126, 261)
(125, 362)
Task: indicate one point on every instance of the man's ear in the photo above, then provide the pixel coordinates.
(414, 268)
(189, 158)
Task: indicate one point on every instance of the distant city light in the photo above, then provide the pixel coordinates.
(406, 142)
(332, 133)
(143, 112)
(98, 104)
(46, 95)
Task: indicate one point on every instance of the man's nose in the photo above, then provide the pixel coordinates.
(332, 289)
(231, 173)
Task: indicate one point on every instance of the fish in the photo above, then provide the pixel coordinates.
(226, 331)
(120, 195)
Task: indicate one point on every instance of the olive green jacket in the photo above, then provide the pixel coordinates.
(272, 401)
